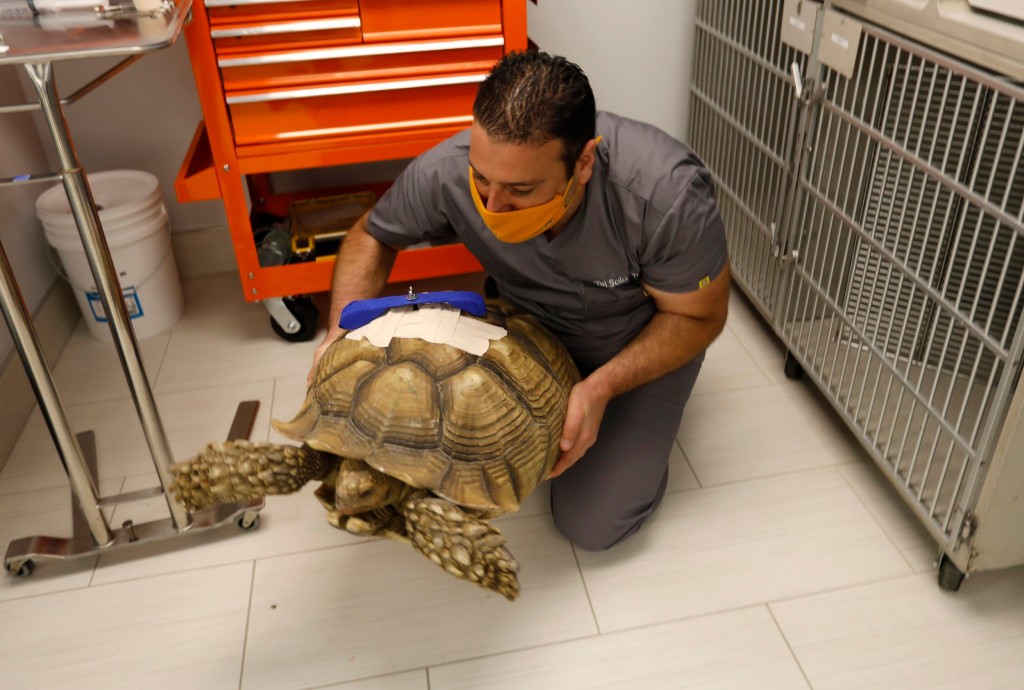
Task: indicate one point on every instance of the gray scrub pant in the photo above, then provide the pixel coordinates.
(609, 493)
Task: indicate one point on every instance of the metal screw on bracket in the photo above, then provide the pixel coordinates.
(412, 296)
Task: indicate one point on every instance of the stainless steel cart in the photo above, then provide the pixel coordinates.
(36, 45)
(875, 215)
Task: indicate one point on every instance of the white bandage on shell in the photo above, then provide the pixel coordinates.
(435, 323)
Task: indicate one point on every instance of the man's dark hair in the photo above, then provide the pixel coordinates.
(532, 97)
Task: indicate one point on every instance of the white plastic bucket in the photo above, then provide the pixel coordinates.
(122, 197)
(137, 231)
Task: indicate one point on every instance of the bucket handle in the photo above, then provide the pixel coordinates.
(55, 262)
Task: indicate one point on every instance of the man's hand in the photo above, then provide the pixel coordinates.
(583, 415)
(332, 335)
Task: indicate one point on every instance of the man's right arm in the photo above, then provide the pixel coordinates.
(361, 271)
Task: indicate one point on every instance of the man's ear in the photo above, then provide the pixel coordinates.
(585, 164)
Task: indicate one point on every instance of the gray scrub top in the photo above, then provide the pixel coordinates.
(649, 214)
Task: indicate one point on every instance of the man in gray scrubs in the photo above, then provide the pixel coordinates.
(604, 228)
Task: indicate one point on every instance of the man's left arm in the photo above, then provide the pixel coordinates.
(684, 325)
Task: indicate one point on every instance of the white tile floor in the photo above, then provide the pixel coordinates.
(779, 559)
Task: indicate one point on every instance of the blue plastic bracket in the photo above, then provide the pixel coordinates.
(363, 311)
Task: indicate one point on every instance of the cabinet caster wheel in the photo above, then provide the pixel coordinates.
(950, 577)
(248, 521)
(305, 315)
(23, 569)
(792, 368)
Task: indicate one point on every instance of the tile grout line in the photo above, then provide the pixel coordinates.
(163, 359)
(248, 618)
(584, 638)
(586, 591)
(227, 563)
(844, 588)
(686, 459)
(878, 521)
(789, 646)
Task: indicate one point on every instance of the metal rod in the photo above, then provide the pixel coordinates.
(29, 179)
(88, 88)
(964, 443)
(105, 274)
(27, 343)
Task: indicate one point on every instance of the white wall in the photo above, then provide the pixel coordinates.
(20, 232)
(636, 53)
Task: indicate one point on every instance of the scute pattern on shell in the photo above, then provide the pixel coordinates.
(481, 431)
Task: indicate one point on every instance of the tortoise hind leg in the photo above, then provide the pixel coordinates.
(462, 544)
(230, 471)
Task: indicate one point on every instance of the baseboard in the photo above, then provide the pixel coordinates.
(54, 321)
(203, 252)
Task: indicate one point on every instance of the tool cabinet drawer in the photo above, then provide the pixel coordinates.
(394, 20)
(361, 108)
(230, 39)
(254, 11)
(401, 60)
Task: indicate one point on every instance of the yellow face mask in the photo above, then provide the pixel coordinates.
(526, 223)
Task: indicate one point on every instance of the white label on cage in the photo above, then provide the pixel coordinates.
(798, 18)
(841, 41)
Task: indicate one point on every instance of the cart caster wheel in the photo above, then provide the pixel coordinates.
(792, 368)
(24, 569)
(306, 313)
(248, 521)
(950, 577)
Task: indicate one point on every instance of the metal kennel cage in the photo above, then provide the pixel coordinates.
(875, 217)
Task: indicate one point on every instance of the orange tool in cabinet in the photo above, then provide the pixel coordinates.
(297, 85)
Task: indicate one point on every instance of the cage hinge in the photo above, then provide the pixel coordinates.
(969, 527)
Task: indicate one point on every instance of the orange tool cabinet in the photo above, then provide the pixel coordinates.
(300, 84)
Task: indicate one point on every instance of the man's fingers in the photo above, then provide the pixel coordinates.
(565, 461)
(316, 358)
(571, 426)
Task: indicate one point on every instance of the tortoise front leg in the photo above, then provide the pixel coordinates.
(385, 522)
(462, 544)
(229, 471)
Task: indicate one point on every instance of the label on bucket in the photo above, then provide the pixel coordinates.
(131, 301)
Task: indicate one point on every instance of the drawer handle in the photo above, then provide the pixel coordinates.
(288, 27)
(361, 51)
(348, 89)
(460, 120)
(229, 3)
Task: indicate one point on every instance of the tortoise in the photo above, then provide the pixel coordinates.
(418, 442)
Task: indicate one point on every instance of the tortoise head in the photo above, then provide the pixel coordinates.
(359, 488)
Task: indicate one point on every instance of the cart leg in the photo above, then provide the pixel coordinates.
(792, 368)
(83, 208)
(950, 577)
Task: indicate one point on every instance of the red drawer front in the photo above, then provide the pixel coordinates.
(292, 35)
(394, 20)
(239, 11)
(297, 114)
(266, 70)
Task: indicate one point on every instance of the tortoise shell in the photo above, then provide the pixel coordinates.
(480, 431)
